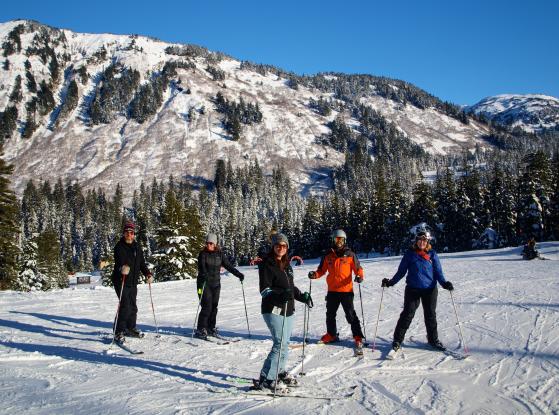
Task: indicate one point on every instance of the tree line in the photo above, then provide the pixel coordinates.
(59, 228)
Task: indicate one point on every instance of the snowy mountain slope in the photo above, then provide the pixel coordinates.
(533, 113)
(186, 134)
(52, 359)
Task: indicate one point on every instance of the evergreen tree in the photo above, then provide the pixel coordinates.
(553, 227)
(448, 210)
(535, 188)
(312, 232)
(9, 227)
(49, 261)
(501, 205)
(397, 224)
(8, 123)
(30, 278)
(177, 257)
(423, 207)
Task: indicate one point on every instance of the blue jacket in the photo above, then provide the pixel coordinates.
(422, 274)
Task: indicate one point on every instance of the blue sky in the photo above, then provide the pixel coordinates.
(458, 51)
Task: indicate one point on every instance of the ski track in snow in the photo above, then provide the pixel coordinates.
(53, 348)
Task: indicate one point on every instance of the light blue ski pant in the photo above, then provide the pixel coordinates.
(274, 323)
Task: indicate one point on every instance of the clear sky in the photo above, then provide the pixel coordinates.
(461, 51)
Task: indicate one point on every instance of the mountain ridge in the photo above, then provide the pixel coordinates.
(144, 108)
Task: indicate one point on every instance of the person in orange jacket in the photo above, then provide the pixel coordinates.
(340, 262)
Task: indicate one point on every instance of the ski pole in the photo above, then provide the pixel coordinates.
(198, 309)
(280, 347)
(458, 321)
(362, 314)
(246, 314)
(378, 317)
(118, 308)
(153, 310)
(307, 316)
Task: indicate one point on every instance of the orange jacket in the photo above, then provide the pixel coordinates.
(339, 270)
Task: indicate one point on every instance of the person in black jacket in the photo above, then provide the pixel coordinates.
(278, 293)
(129, 262)
(210, 261)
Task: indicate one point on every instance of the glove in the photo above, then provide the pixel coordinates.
(386, 283)
(307, 299)
(358, 279)
(149, 278)
(447, 285)
(312, 275)
(241, 276)
(124, 270)
(286, 295)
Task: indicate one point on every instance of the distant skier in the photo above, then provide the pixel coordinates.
(129, 262)
(424, 270)
(278, 293)
(530, 252)
(340, 262)
(208, 282)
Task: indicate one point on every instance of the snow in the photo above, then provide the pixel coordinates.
(53, 360)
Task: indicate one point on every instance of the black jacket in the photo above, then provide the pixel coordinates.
(273, 282)
(209, 267)
(131, 255)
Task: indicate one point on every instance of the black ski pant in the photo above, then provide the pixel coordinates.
(128, 309)
(412, 298)
(333, 301)
(208, 303)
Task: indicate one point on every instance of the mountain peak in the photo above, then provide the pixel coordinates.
(531, 112)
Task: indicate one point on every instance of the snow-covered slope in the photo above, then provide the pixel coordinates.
(53, 360)
(532, 113)
(186, 135)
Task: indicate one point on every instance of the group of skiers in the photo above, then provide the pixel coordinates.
(420, 265)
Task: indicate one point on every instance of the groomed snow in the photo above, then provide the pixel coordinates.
(53, 360)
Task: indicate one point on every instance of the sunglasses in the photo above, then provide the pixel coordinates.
(281, 246)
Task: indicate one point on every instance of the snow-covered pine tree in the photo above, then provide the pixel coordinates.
(554, 205)
(9, 227)
(176, 258)
(423, 208)
(535, 188)
(30, 278)
(470, 204)
(397, 219)
(446, 197)
(49, 261)
(501, 205)
(312, 232)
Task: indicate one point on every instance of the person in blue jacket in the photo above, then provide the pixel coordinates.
(424, 270)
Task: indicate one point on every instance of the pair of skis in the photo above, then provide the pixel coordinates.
(123, 345)
(393, 354)
(218, 339)
(249, 387)
(357, 350)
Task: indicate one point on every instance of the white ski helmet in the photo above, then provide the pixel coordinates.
(338, 233)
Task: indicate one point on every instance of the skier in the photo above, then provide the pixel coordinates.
(278, 293)
(530, 252)
(339, 263)
(423, 269)
(129, 262)
(208, 282)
